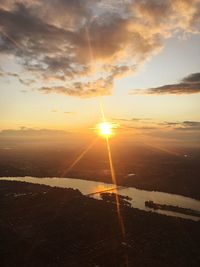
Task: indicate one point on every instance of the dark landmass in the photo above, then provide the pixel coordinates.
(111, 198)
(44, 226)
(156, 206)
(174, 170)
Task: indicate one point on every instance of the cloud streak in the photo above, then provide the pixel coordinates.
(188, 85)
(150, 124)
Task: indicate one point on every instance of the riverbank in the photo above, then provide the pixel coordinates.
(137, 197)
(156, 206)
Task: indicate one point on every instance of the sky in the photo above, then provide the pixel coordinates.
(140, 58)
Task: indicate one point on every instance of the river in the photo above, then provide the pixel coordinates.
(138, 196)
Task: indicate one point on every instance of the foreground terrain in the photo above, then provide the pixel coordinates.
(44, 226)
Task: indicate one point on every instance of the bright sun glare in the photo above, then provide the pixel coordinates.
(105, 128)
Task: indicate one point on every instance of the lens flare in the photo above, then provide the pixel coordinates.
(105, 128)
(79, 158)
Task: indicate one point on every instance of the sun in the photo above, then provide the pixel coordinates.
(105, 128)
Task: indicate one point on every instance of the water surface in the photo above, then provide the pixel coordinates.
(138, 196)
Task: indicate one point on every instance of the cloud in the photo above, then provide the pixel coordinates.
(25, 81)
(71, 46)
(65, 112)
(148, 125)
(191, 123)
(25, 131)
(188, 85)
(192, 78)
(69, 112)
(190, 126)
(82, 89)
(133, 119)
(181, 126)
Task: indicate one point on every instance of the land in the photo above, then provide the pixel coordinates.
(156, 206)
(173, 169)
(44, 226)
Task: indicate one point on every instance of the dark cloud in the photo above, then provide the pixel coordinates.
(192, 78)
(169, 123)
(188, 85)
(63, 42)
(190, 125)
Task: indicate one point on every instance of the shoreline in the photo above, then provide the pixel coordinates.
(148, 188)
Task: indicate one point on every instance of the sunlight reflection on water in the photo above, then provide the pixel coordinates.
(138, 196)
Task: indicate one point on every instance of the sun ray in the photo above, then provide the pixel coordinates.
(113, 176)
(79, 157)
(163, 148)
(19, 46)
(89, 44)
(102, 111)
(114, 180)
(106, 130)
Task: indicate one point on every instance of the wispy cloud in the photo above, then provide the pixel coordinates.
(65, 112)
(188, 85)
(69, 112)
(150, 124)
(25, 131)
(17, 76)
